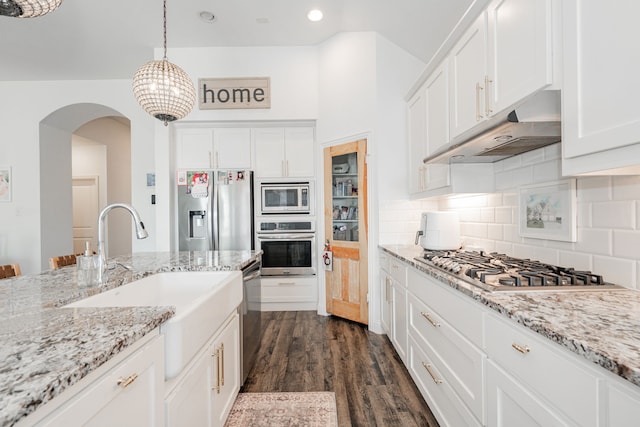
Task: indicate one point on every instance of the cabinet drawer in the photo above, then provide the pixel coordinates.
(289, 289)
(461, 312)
(384, 261)
(460, 362)
(443, 401)
(548, 372)
(398, 271)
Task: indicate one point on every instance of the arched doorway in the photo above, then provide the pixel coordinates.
(85, 122)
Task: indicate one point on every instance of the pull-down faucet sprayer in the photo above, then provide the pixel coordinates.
(141, 233)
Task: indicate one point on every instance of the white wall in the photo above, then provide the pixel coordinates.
(25, 105)
(608, 219)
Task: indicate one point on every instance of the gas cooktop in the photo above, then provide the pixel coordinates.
(498, 272)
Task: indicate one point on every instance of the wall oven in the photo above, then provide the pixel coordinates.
(286, 197)
(288, 245)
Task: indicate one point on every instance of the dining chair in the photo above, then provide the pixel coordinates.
(61, 261)
(9, 270)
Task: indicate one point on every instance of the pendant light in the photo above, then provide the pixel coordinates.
(27, 8)
(163, 89)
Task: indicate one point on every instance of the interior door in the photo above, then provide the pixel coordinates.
(346, 229)
(86, 208)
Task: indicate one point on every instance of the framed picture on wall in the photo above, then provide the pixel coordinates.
(548, 211)
(5, 184)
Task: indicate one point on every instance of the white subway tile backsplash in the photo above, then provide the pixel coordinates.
(511, 199)
(511, 233)
(553, 151)
(510, 163)
(626, 187)
(614, 214)
(583, 214)
(495, 231)
(594, 241)
(594, 189)
(494, 200)
(504, 215)
(504, 247)
(616, 270)
(504, 180)
(547, 255)
(547, 171)
(488, 215)
(577, 260)
(470, 215)
(626, 244)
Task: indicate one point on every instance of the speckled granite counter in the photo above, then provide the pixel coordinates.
(601, 326)
(44, 349)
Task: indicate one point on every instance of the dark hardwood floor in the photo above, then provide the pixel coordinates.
(302, 351)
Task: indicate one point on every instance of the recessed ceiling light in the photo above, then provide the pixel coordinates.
(314, 15)
(207, 16)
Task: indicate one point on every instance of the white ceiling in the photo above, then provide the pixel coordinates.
(110, 39)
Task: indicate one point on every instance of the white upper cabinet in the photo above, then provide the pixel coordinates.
(284, 152)
(428, 121)
(505, 56)
(520, 60)
(232, 148)
(194, 148)
(600, 85)
(213, 148)
(467, 63)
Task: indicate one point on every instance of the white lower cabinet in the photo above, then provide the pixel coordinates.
(510, 403)
(204, 393)
(129, 394)
(289, 293)
(556, 376)
(443, 401)
(385, 297)
(623, 404)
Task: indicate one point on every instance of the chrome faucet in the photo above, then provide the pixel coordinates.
(141, 233)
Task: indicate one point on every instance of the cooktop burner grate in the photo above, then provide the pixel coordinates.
(499, 272)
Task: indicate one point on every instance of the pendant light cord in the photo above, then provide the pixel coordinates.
(165, 28)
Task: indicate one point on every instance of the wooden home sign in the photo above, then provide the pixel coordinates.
(238, 93)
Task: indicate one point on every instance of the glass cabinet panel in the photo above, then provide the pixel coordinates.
(345, 197)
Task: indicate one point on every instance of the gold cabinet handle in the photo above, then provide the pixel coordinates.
(520, 348)
(478, 113)
(433, 375)
(216, 356)
(487, 96)
(387, 289)
(221, 368)
(126, 382)
(433, 322)
(286, 283)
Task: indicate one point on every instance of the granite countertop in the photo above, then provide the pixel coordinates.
(601, 326)
(44, 349)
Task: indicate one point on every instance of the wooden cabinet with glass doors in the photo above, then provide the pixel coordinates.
(345, 213)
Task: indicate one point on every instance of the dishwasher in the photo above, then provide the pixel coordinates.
(250, 316)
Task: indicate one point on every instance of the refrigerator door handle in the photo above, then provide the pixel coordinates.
(215, 219)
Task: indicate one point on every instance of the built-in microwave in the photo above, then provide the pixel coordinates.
(286, 197)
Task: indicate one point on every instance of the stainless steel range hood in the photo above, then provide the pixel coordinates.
(532, 125)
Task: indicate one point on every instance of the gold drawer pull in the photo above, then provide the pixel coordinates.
(433, 376)
(125, 382)
(286, 283)
(216, 356)
(433, 322)
(522, 349)
(221, 368)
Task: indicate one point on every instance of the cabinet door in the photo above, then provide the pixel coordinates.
(226, 372)
(601, 86)
(232, 148)
(520, 51)
(417, 130)
(299, 152)
(385, 318)
(190, 402)
(624, 405)
(128, 395)
(269, 152)
(509, 403)
(437, 108)
(194, 148)
(467, 71)
(399, 321)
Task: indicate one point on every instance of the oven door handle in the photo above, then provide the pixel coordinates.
(286, 236)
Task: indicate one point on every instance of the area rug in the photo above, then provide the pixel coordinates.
(311, 409)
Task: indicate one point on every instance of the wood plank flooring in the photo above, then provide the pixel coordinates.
(302, 351)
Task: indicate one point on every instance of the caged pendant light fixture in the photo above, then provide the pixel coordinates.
(27, 8)
(163, 89)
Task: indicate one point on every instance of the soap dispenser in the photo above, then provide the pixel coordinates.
(86, 267)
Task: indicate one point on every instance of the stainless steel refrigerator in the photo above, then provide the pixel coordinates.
(215, 210)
